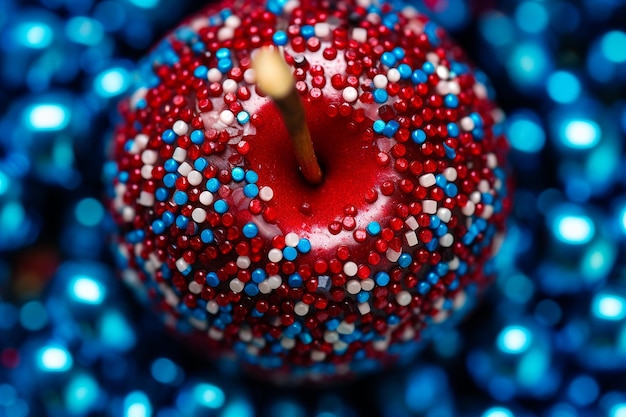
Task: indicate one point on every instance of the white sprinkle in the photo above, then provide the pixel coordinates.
(317, 355)
(227, 117)
(128, 213)
(476, 197)
(181, 264)
(380, 81)
(322, 30)
(232, 21)
(433, 58)
(364, 308)
(450, 174)
(149, 157)
(146, 172)
(340, 346)
(249, 76)
(408, 334)
(274, 281)
(483, 186)
(236, 286)
(364, 3)
(443, 88)
(350, 268)
(180, 154)
(443, 72)
(480, 90)
(403, 298)
(264, 287)
(411, 238)
(198, 215)
(427, 180)
(350, 94)
(214, 75)
(194, 287)
(381, 345)
(487, 212)
(359, 35)
(331, 336)
(446, 240)
(245, 334)
(180, 127)
(392, 255)
(275, 255)
(411, 223)
(225, 33)
(216, 334)
(287, 343)
(454, 87)
(266, 193)
(492, 161)
(292, 239)
(429, 206)
(345, 328)
(469, 208)
(444, 214)
(146, 199)
(353, 287)
(393, 75)
(206, 198)
(229, 86)
(467, 124)
(184, 169)
(368, 284)
(194, 177)
(459, 300)
(301, 308)
(243, 262)
(212, 307)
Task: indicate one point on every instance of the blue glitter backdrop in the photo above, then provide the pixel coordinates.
(548, 340)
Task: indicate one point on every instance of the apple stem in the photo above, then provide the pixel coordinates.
(274, 77)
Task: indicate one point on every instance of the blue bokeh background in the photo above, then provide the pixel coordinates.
(548, 340)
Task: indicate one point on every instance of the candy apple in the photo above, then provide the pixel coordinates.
(309, 187)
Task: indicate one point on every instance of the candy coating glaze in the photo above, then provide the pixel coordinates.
(221, 232)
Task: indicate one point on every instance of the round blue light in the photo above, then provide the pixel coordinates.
(209, 395)
(81, 394)
(618, 410)
(528, 64)
(498, 412)
(47, 117)
(583, 390)
(514, 339)
(36, 35)
(572, 227)
(165, 371)
(84, 30)
(531, 17)
(87, 290)
(54, 359)
(496, 28)
(612, 46)
(580, 133)
(145, 4)
(89, 212)
(609, 307)
(137, 404)
(563, 87)
(525, 132)
(112, 82)
(33, 316)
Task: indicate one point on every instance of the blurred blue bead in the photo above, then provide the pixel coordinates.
(525, 132)
(84, 30)
(496, 28)
(531, 16)
(528, 64)
(563, 87)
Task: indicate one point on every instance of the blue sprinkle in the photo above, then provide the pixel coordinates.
(213, 185)
(442, 229)
(405, 260)
(391, 128)
(197, 137)
(182, 222)
(440, 180)
(478, 121)
(250, 230)
(419, 77)
(486, 198)
(180, 197)
(258, 275)
(238, 174)
(169, 136)
(442, 269)
(201, 71)
(453, 130)
(380, 95)
(295, 280)
(251, 177)
(363, 296)
(212, 279)
(332, 324)
(224, 65)
(220, 206)
(451, 101)
(450, 152)
(158, 227)
(290, 253)
(393, 319)
(169, 180)
(225, 13)
(378, 126)
(435, 221)
(251, 190)
(423, 287)
(243, 117)
(161, 194)
(123, 176)
(251, 289)
(382, 278)
(451, 190)
(170, 165)
(428, 67)
(418, 136)
(405, 71)
(432, 245)
(200, 164)
(304, 246)
(207, 236)
(307, 31)
(306, 338)
(198, 48)
(398, 52)
(431, 31)
(373, 228)
(168, 218)
(478, 133)
(432, 278)
(280, 38)
(388, 59)
(222, 53)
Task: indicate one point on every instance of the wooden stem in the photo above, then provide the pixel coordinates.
(274, 77)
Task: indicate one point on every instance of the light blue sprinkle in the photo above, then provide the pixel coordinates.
(197, 137)
(251, 289)
(362, 297)
(382, 278)
(243, 117)
(432, 278)
(391, 128)
(222, 53)
(201, 72)
(251, 190)
(478, 133)
(168, 218)
(307, 31)
(453, 129)
(207, 236)
(332, 324)
(250, 230)
(295, 280)
(380, 95)
(180, 197)
(200, 164)
(161, 194)
(405, 260)
(280, 38)
(220, 206)
(182, 222)
(258, 275)
(435, 221)
(304, 245)
(170, 165)
(123, 176)
(478, 121)
(393, 319)
(251, 177)
(418, 136)
(399, 52)
(213, 185)
(378, 126)
(238, 174)
(224, 65)
(441, 230)
(451, 101)
(388, 59)
(158, 227)
(373, 228)
(405, 71)
(290, 253)
(423, 287)
(440, 180)
(169, 180)
(212, 279)
(428, 67)
(450, 152)
(169, 136)
(419, 77)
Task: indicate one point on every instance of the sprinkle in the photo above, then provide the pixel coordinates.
(429, 206)
(403, 298)
(275, 255)
(359, 34)
(350, 94)
(227, 117)
(206, 198)
(292, 240)
(250, 230)
(350, 268)
(266, 193)
(180, 127)
(198, 215)
(427, 180)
